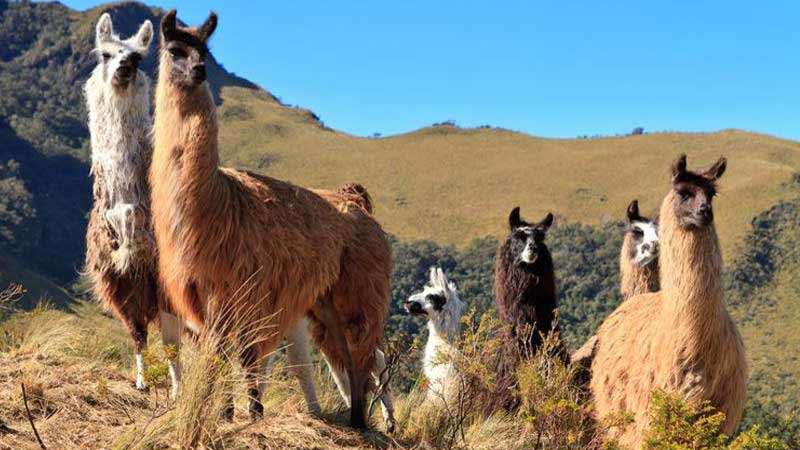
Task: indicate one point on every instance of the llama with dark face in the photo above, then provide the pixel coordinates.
(524, 283)
(680, 339)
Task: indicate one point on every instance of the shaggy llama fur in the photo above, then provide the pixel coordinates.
(680, 339)
(298, 349)
(526, 299)
(264, 251)
(120, 252)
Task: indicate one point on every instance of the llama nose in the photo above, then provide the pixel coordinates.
(131, 61)
(199, 73)
(646, 247)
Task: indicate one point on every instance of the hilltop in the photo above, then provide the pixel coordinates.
(442, 183)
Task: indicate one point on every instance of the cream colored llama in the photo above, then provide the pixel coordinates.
(440, 303)
(681, 339)
(120, 254)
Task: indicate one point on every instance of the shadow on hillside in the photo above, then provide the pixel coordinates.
(61, 191)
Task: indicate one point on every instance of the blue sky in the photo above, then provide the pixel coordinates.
(555, 68)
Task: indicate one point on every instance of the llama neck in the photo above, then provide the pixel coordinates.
(634, 279)
(119, 126)
(691, 278)
(186, 157)
(447, 326)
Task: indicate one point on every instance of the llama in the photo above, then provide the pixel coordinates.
(120, 253)
(298, 351)
(524, 283)
(638, 268)
(680, 339)
(638, 260)
(440, 303)
(525, 296)
(263, 251)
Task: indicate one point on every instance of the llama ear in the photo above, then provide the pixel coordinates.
(104, 29)
(679, 166)
(442, 277)
(169, 24)
(633, 211)
(432, 276)
(714, 172)
(514, 220)
(144, 36)
(208, 27)
(546, 222)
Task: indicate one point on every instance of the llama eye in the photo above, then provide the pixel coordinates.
(684, 194)
(637, 232)
(177, 52)
(106, 56)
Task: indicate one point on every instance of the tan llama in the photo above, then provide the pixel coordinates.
(263, 250)
(120, 253)
(681, 339)
(638, 259)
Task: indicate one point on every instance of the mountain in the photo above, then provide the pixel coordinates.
(442, 183)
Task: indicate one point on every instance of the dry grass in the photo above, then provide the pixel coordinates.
(76, 367)
(463, 182)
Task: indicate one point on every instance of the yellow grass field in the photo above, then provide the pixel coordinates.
(452, 185)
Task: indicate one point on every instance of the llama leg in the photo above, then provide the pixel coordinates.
(139, 334)
(250, 362)
(341, 379)
(381, 379)
(299, 356)
(329, 336)
(171, 330)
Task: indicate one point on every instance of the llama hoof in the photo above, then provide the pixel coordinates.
(357, 421)
(315, 411)
(228, 413)
(141, 386)
(256, 410)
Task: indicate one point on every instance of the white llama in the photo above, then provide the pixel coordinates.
(439, 301)
(120, 255)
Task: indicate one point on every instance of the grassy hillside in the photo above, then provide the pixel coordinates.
(441, 183)
(452, 185)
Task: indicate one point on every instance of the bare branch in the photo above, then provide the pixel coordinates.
(30, 417)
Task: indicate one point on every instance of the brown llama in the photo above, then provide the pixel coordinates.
(638, 259)
(680, 340)
(525, 296)
(638, 268)
(120, 263)
(265, 251)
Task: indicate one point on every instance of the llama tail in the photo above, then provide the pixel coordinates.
(358, 194)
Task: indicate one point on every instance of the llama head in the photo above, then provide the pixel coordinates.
(643, 235)
(438, 300)
(693, 191)
(184, 50)
(118, 59)
(526, 243)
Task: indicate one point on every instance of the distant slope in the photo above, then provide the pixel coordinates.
(452, 185)
(765, 288)
(441, 183)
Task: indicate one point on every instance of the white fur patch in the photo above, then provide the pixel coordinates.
(647, 249)
(140, 384)
(527, 255)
